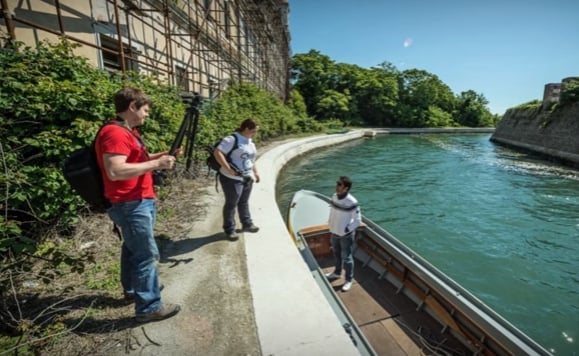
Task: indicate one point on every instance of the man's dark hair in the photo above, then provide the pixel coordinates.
(124, 97)
(346, 181)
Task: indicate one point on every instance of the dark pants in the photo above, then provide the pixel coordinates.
(236, 196)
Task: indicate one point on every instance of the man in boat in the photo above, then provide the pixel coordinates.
(345, 217)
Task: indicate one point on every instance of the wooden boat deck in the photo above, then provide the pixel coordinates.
(389, 320)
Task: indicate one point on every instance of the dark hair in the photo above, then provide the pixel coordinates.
(346, 181)
(124, 97)
(247, 124)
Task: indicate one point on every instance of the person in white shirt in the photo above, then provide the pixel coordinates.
(237, 175)
(345, 217)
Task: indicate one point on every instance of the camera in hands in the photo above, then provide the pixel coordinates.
(159, 177)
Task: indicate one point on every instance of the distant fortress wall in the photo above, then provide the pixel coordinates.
(554, 135)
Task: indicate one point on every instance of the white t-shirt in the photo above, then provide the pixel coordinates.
(242, 158)
(345, 215)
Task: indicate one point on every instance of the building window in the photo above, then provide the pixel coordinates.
(111, 55)
(181, 78)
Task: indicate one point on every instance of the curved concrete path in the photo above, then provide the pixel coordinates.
(291, 313)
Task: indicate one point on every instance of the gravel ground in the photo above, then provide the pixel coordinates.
(206, 274)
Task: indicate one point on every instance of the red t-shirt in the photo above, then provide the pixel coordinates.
(116, 139)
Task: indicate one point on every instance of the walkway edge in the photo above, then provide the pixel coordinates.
(292, 315)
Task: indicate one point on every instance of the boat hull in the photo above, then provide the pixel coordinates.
(458, 313)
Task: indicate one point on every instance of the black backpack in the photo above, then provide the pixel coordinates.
(212, 163)
(82, 172)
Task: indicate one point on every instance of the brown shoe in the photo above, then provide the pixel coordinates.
(164, 312)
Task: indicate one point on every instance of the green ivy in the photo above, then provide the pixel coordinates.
(570, 93)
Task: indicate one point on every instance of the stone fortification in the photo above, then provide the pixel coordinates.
(554, 135)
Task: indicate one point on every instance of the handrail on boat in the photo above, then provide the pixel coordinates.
(456, 294)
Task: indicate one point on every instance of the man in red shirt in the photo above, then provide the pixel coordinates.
(127, 174)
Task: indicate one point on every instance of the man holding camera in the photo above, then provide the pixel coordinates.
(237, 175)
(127, 169)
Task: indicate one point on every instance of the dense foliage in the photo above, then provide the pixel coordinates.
(53, 102)
(241, 101)
(384, 96)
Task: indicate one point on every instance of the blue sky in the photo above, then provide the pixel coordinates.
(506, 50)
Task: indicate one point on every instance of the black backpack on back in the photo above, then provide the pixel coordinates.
(212, 163)
(82, 172)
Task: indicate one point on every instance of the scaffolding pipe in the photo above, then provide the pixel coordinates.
(8, 19)
(243, 40)
(120, 38)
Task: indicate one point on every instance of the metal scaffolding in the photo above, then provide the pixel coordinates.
(199, 45)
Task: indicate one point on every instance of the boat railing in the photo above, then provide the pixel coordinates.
(506, 334)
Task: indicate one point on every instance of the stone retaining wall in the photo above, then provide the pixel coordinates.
(554, 135)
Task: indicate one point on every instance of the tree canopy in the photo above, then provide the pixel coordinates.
(383, 96)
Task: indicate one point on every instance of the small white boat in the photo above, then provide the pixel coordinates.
(399, 303)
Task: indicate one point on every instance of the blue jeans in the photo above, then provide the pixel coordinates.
(344, 253)
(236, 196)
(139, 254)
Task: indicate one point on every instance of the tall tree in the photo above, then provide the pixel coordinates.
(334, 105)
(388, 68)
(422, 90)
(312, 74)
(472, 110)
(377, 96)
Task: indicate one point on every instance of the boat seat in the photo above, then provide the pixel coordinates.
(318, 239)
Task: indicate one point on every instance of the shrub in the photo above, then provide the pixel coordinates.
(243, 100)
(570, 93)
(51, 103)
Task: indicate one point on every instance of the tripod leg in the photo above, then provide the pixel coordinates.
(191, 133)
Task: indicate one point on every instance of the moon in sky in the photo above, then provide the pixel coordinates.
(407, 42)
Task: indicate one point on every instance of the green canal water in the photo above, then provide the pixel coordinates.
(503, 224)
